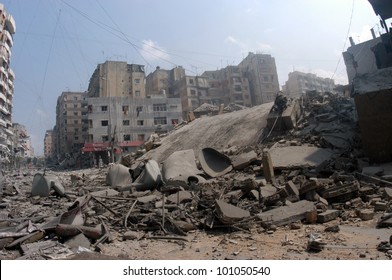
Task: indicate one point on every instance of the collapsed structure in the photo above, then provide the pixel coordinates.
(242, 177)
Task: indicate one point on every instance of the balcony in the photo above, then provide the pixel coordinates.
(3, 123)
(10, 41)
(11, 74)
(2, 96)
(10, 23)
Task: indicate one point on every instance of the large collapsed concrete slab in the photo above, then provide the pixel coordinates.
(299, 156)
(287, 214)
(241, 128)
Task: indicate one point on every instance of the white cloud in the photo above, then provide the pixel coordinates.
(245, 48)
(152, 51)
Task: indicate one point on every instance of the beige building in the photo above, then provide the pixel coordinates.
(22, 142)
(118, 79)
(191, 90)
(7, 29)
(49, 144)
(228, 85)
(162, 82)
(260, 69)
(71, 123)
(299, 83)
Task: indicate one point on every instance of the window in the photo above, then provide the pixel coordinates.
(140, 137)
(104, 123)
(191, 81)
(75, 105)
(137, 81)
(76, 138)
(75, 98)
(159, 107)
(75, 113)
(125, 109)
(105, 138)
(160, 120)
(127, 137)
(140, 122)
(104, 108)
(237, 88)
(193, 92)
(76, 130)
(265, 78)
(126, 122)
(137, 92)
(90, 123)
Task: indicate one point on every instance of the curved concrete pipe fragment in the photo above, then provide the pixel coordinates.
(181, 166)
(214, 163)
(41, 185)
(149, 178)
(118, 176)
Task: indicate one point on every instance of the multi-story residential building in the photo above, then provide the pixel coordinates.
(162, 82)
(260, 69)
(299, 83)
(49, 144)
(127, 123)
(7, 29)
(191, 90)
(230, 84)
(122, 114)
(71, 123)
(21, 141)
(117, 79)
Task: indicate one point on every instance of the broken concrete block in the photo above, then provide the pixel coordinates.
(180, 166)
(107, 192)
(244, 160)
(380, 206)
(118, 176)
(327, 216)
(77, 241)
(287, 214)
(214, 163)
(268, 167)
(311, 216)
(388, 193)
(366, 214)
(41, 186)
(292, 188)
(229, 214)
(299, 156)
(340, 192)
(132, 235)
(310, 185)
(180, 197)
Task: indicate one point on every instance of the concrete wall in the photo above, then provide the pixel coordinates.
(130, 117)
(360, 59)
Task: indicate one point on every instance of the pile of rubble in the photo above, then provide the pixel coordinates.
(311, 171)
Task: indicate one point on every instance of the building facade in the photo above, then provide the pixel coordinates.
(7, 76)
(127, 123)
(118, 79)
(299, 83)
(260, 69)
(49, 144)
(162, 82)
(71, 124)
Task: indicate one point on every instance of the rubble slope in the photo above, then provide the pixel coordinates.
(240, 128)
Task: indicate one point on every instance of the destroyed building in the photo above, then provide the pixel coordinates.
(7, 76)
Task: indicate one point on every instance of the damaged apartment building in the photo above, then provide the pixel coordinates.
(114, 116)
(7, 76)
(369, 70)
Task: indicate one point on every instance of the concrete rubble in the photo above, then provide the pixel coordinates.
(295, 178)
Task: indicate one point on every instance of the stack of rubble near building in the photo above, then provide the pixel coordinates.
(313, 173)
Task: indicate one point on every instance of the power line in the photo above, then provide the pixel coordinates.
(345, 41)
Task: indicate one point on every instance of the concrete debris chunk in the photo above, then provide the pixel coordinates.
(118, 176)
(287, 214)
(328, 216)
(214, 163)
(230, 214)
(242, 161)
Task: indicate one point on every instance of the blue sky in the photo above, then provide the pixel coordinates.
(58, 43)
